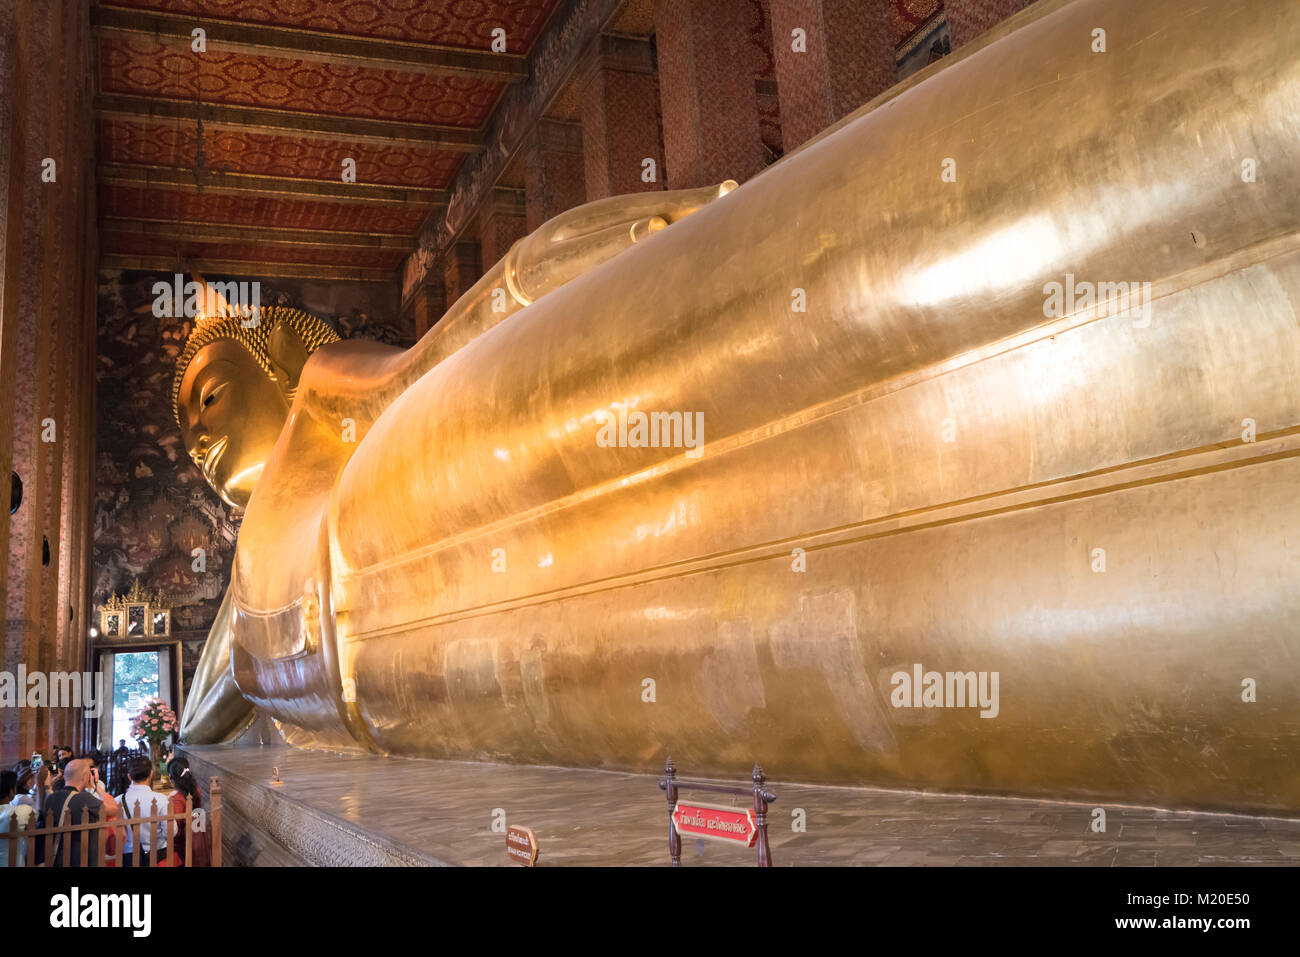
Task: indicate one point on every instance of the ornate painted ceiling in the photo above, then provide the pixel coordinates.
(232, 158)
(457, 23)
(913, 18)
(235, 155)
(245, 151)
(146, 67)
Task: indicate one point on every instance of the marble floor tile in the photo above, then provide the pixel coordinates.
(445, 810)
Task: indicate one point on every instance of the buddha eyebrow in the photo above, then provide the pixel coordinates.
(204, 379)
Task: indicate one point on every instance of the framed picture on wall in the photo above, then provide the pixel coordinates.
(136, 614)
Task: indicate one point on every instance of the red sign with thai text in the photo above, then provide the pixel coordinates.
(732, 824)
(521, 846)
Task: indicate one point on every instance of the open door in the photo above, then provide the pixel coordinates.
(133, 675)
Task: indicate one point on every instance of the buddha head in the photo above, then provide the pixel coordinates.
(233, 388)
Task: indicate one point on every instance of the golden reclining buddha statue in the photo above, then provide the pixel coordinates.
(996, 488)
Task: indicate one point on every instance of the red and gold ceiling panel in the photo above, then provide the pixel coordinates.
(134, 244)
(456, 23)
(117, 201)
(148, 67)
(911, 17)
(172, 143)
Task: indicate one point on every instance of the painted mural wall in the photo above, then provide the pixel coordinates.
(152, 507)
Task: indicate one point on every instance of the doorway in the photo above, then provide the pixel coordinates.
(135, 681)
(132, 676)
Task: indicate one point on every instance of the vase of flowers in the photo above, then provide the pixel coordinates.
(155, 723)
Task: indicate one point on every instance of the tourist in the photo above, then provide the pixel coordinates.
(73, 802)
(26, 779)
(119, 762)
(39, 789)
(141, 801)
(183, 780)
(13, 815)
(62, 755)
(115, 836)
(48, 778)
(112, 812)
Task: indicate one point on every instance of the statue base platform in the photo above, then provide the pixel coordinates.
(356, 810)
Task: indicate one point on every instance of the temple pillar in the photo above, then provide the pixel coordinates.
(462, 267)
(967, 19)
(14, 68)
(620, 118)
(24, 318)
(427, 307)
(554, 177)
(847, 58)
(707, 95)
(46, 357)
(501, 224)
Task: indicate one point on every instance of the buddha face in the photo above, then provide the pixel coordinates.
(231, 414)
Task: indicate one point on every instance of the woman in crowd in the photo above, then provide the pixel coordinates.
(115, 836)
(98, 768)
(25, 789)
(13, 815)
(178, 771)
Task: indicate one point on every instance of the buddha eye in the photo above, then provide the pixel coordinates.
(210, 393)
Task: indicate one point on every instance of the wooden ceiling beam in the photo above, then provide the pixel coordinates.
(252, 269)
(311, 45)
(221, 183)
(180, 232)
(218, 116)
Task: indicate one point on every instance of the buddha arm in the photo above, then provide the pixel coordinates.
(358, 380)
(215, 711)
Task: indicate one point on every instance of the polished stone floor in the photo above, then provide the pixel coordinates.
(446, 810)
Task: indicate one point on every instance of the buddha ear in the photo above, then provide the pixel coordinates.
(288, 354)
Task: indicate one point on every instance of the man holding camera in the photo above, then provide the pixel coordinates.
(78, 799)
(140, 800)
